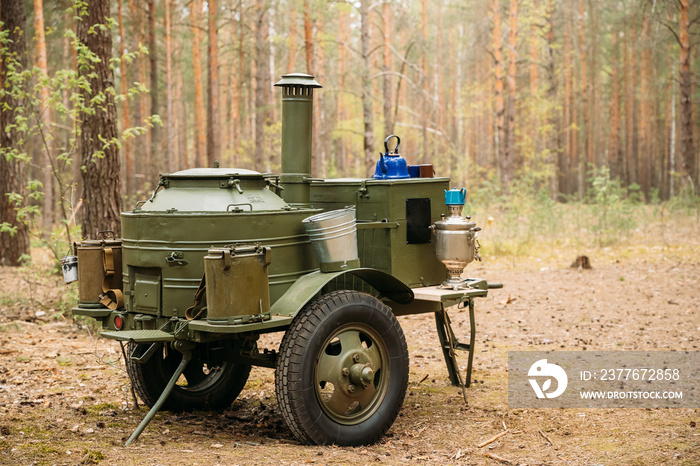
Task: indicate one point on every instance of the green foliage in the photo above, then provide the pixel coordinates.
(612, 214)
(527, 217)
(687, 202)
(62, 94)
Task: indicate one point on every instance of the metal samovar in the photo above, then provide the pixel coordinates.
(456, 240)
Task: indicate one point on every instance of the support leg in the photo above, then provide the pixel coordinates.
(472, 339)
(445, 336)
(186, 356)
(449, 343)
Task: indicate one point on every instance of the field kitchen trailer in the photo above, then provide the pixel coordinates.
(217, 256)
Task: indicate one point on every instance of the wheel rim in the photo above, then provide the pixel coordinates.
(352, 373)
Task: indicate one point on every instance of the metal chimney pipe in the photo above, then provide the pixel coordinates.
(297, 127)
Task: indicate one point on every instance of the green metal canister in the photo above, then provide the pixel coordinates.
(99, 267)
(237, 284)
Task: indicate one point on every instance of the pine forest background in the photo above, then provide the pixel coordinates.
(545, 96)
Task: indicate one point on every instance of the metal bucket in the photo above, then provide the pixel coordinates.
(69, 264)
(333, 235)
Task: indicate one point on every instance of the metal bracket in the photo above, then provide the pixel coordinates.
(143, 358)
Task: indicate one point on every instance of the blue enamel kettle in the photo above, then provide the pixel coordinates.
(455, 196)
(391, 166)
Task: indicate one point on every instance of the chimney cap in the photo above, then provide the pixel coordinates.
(297, 79)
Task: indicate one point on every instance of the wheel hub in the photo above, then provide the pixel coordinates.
(361, 374)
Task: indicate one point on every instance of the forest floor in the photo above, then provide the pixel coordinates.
(65, 398)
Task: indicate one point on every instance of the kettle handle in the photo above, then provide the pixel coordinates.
(386, 144)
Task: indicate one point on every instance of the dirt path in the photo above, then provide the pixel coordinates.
(65, 399)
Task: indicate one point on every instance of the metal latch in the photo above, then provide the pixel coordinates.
(363, 190)
(176, 258)
(232, 183)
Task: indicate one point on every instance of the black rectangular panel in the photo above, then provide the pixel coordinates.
(418, 221)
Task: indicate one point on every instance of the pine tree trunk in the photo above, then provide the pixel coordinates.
(534, 75)
(129, 170)
(141, 148)
(320, 145)
(262, 80)
(200, 118)
(170, 151)
(311, 69)
(344, 162)
(386, 65)
(46, 153)
(594, 144)
(183, 125)
(368, 135)
(425, 105)
(213, 123)
(627, 107)
(12, 171)
(582, 169)
(152, 55)
(292, 37)
(568, 157)
(555, 156)
(687, 150)
(644, 110)
(501, 138)
(510, 153)
(235, 87)
(71, 56)
(101, 181)
(308, 38)
(614, 152)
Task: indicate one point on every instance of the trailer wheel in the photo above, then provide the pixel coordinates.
(342, 372)
(202, 386)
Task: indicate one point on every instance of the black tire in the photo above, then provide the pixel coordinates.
(341, 340)
(202, 386)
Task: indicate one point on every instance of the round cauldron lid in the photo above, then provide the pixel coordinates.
(214, 173)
